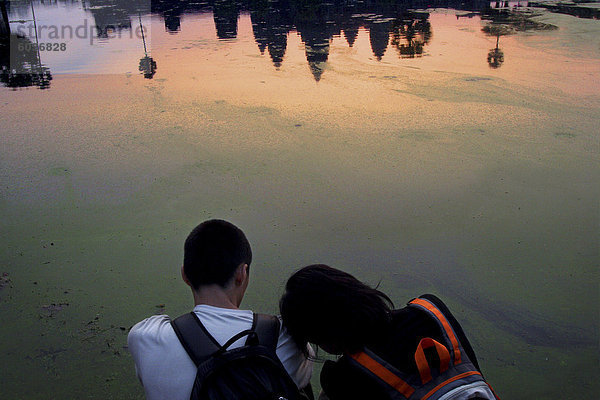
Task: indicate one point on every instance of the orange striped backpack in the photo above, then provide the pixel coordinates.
(453, 378)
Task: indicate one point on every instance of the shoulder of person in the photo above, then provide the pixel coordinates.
(434, 299)
(150, 328)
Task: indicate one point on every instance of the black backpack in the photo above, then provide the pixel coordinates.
(250, 372)
(450, 376)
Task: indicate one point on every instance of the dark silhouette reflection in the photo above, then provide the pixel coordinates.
(173, 10)
(411, 34)
(147, 67)
(172, 21)
(110, 19)
(379, 35)
(271, 23)
(270, 27)
(505, 21)
(387, 23)
(510, 21)
(317, 53)
(317, 22)
(4, 24)
(576, 10)
(351, 31)
(147, 64)
(172, 15)
(348, 24)
(495, 56)
(113, 17)
(20, 64)
(226, 14)
(20, 60)
(312, 21)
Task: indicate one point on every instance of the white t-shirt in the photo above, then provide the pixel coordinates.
(167, 372)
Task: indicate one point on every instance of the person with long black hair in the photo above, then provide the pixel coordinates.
(343, 316)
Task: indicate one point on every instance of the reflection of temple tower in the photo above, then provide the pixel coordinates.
(351, 32)
(379, 36)
(316, 29)
(226, 13)
(270, 27)
(260, 28)
(316, 46)
(317, 53)
(277, 46)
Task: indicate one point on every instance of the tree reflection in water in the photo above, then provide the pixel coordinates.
(495, 56)
(411, 34)
(505, 21)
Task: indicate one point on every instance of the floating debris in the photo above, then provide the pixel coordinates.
(54, 308)
(4, 280)
(49, 354)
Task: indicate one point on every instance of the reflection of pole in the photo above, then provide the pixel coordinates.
(4, 24)
(37, 44)
(147, 64)
(143, 37)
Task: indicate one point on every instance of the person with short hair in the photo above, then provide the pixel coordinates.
(216, 266)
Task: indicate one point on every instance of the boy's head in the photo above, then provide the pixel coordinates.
(212, 253)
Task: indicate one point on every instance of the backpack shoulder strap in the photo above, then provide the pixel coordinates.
(197, 342)
(430, 308)
(390, 379)
(267, 328)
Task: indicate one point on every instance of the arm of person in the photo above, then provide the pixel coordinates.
(293, 359)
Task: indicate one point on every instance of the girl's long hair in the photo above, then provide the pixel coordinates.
(324, 305)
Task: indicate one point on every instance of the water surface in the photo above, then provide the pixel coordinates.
(444, 150)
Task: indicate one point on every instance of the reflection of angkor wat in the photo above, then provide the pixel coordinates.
(317, 22)
(388, 23)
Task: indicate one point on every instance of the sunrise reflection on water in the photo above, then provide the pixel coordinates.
(445, 147)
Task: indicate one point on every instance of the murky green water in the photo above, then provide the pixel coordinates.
(444, 150)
